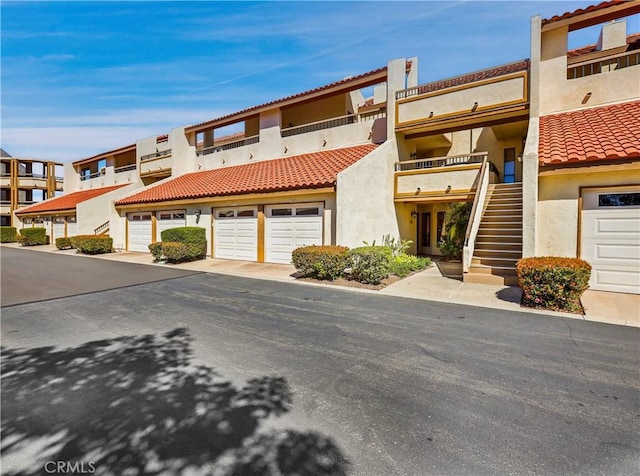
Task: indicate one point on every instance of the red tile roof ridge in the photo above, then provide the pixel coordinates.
(68, 201)
(293, 96)
(582, 11)
(303, 171)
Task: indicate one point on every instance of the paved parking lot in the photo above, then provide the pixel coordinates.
(192, 364)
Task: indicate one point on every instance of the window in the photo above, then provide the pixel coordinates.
(58, 220)
(307, 211)
(165, 216)
(178, 216)
(425, 227)
(6, 220)
(619, 199)
(145, 217)
(226, 214)
(27, 221)
(440, 225)
(246, 213)
(281, 212)
(510, 165)
(71, 219)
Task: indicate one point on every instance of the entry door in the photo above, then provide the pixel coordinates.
(509, 165)
(425, 232)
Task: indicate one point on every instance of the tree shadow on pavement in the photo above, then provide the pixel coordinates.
(138, 406)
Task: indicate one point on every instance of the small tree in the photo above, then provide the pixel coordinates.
(455, 228)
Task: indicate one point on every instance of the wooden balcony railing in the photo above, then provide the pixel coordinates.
(597, 66)
(474, 158)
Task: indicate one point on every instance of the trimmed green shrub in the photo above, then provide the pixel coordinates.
(321, 262)
(403, 264)
(175, 252)
(63, 243)
(190, 235)
(554, 283)
(8, 234)
(156, 251)
(93, 244)
(451, 249)
(33, 236)
(76, 239)
(370, 264)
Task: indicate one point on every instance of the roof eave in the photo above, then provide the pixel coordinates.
(593, 17)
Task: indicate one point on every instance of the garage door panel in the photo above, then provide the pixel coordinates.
(610, 239)
(303, 226)
(139, 232)
(236, 234)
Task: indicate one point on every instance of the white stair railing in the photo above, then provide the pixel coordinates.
(476, 216)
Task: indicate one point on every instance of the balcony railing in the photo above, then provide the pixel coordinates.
(89, 176)
(59, 178)
(125, 168)
(474, 158)
(612, 63)
(229, 145)
(156, 155)
(36, 176)
(5, 202)
(320, 125)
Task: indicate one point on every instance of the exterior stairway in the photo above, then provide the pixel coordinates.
(499, 242)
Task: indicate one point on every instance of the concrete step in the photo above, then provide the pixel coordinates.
(489, 278)
(514, 237)
(501, 217)
(497, 253)
(496, 245)
(504, 201)
(499, 263)
(495, 224)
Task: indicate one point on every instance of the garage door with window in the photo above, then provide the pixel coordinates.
(288, 227)
(139, 231)
(610, 239)
(170, 219)
(236, 233)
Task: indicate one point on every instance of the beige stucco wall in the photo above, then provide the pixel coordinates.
(557, 213)
(486, 95)
(319, 110)
(365, 206)
(457, 177)
(562, 94)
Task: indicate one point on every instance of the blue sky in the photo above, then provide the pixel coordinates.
(80, 78)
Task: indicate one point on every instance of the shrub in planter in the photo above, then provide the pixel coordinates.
(33, 236)
(370, 264)
(451, 249)
(553, 283)
(94, 244)
(191, 235)
(321, 262)
(175, 252)
(403, 264)
(8, 234)
(156, 251)
(63, 243)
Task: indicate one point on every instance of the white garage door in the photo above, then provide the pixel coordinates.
(169, 219)
(139, 231)
(611, 239)
(236, 233)
(72, 226)
(58, 228)
(290, 226)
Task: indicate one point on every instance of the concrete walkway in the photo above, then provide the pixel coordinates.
(611, 308)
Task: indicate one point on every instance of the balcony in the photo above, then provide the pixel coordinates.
(485, 97)
(156, 155)
(32, 181)
(451, 178)
(157, 164)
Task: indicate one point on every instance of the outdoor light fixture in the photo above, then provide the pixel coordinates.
(414, 214)
(475, 106)
(198, 212)
(448, 189)
(418, 190)
(586, 97)
(520, 157)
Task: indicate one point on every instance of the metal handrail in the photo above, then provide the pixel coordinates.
(101, 228)
(319, 125)
(125, 168)
(427, 163)
(90, 176)
(156, 155)
(594, 66)
(229, 145)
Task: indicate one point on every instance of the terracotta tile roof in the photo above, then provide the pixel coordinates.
(633, 43)
(582, 11)
(522, 65)
(342, 82)
(313, 170)
(68, 201)
(228, 138)
(162, 138)
(119, 150)
(596, 134)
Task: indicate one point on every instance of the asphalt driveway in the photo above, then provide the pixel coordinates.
(215, 373)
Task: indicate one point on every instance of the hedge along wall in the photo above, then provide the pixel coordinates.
(193, 236)
(33, 236)
(8, 234)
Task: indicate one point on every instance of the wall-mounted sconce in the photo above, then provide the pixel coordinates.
(250, 156)
(285, 150)
(430, 114)
(414, 214)
(448, 189)
(199, 166)
(418, 190)
(413, 155)
(586, 97)
(224, 161)
(520, 157)
(324, 142)
(370, 135)
(198, 212)
(475, 106)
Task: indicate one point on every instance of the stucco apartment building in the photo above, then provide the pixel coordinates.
(546, 148)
